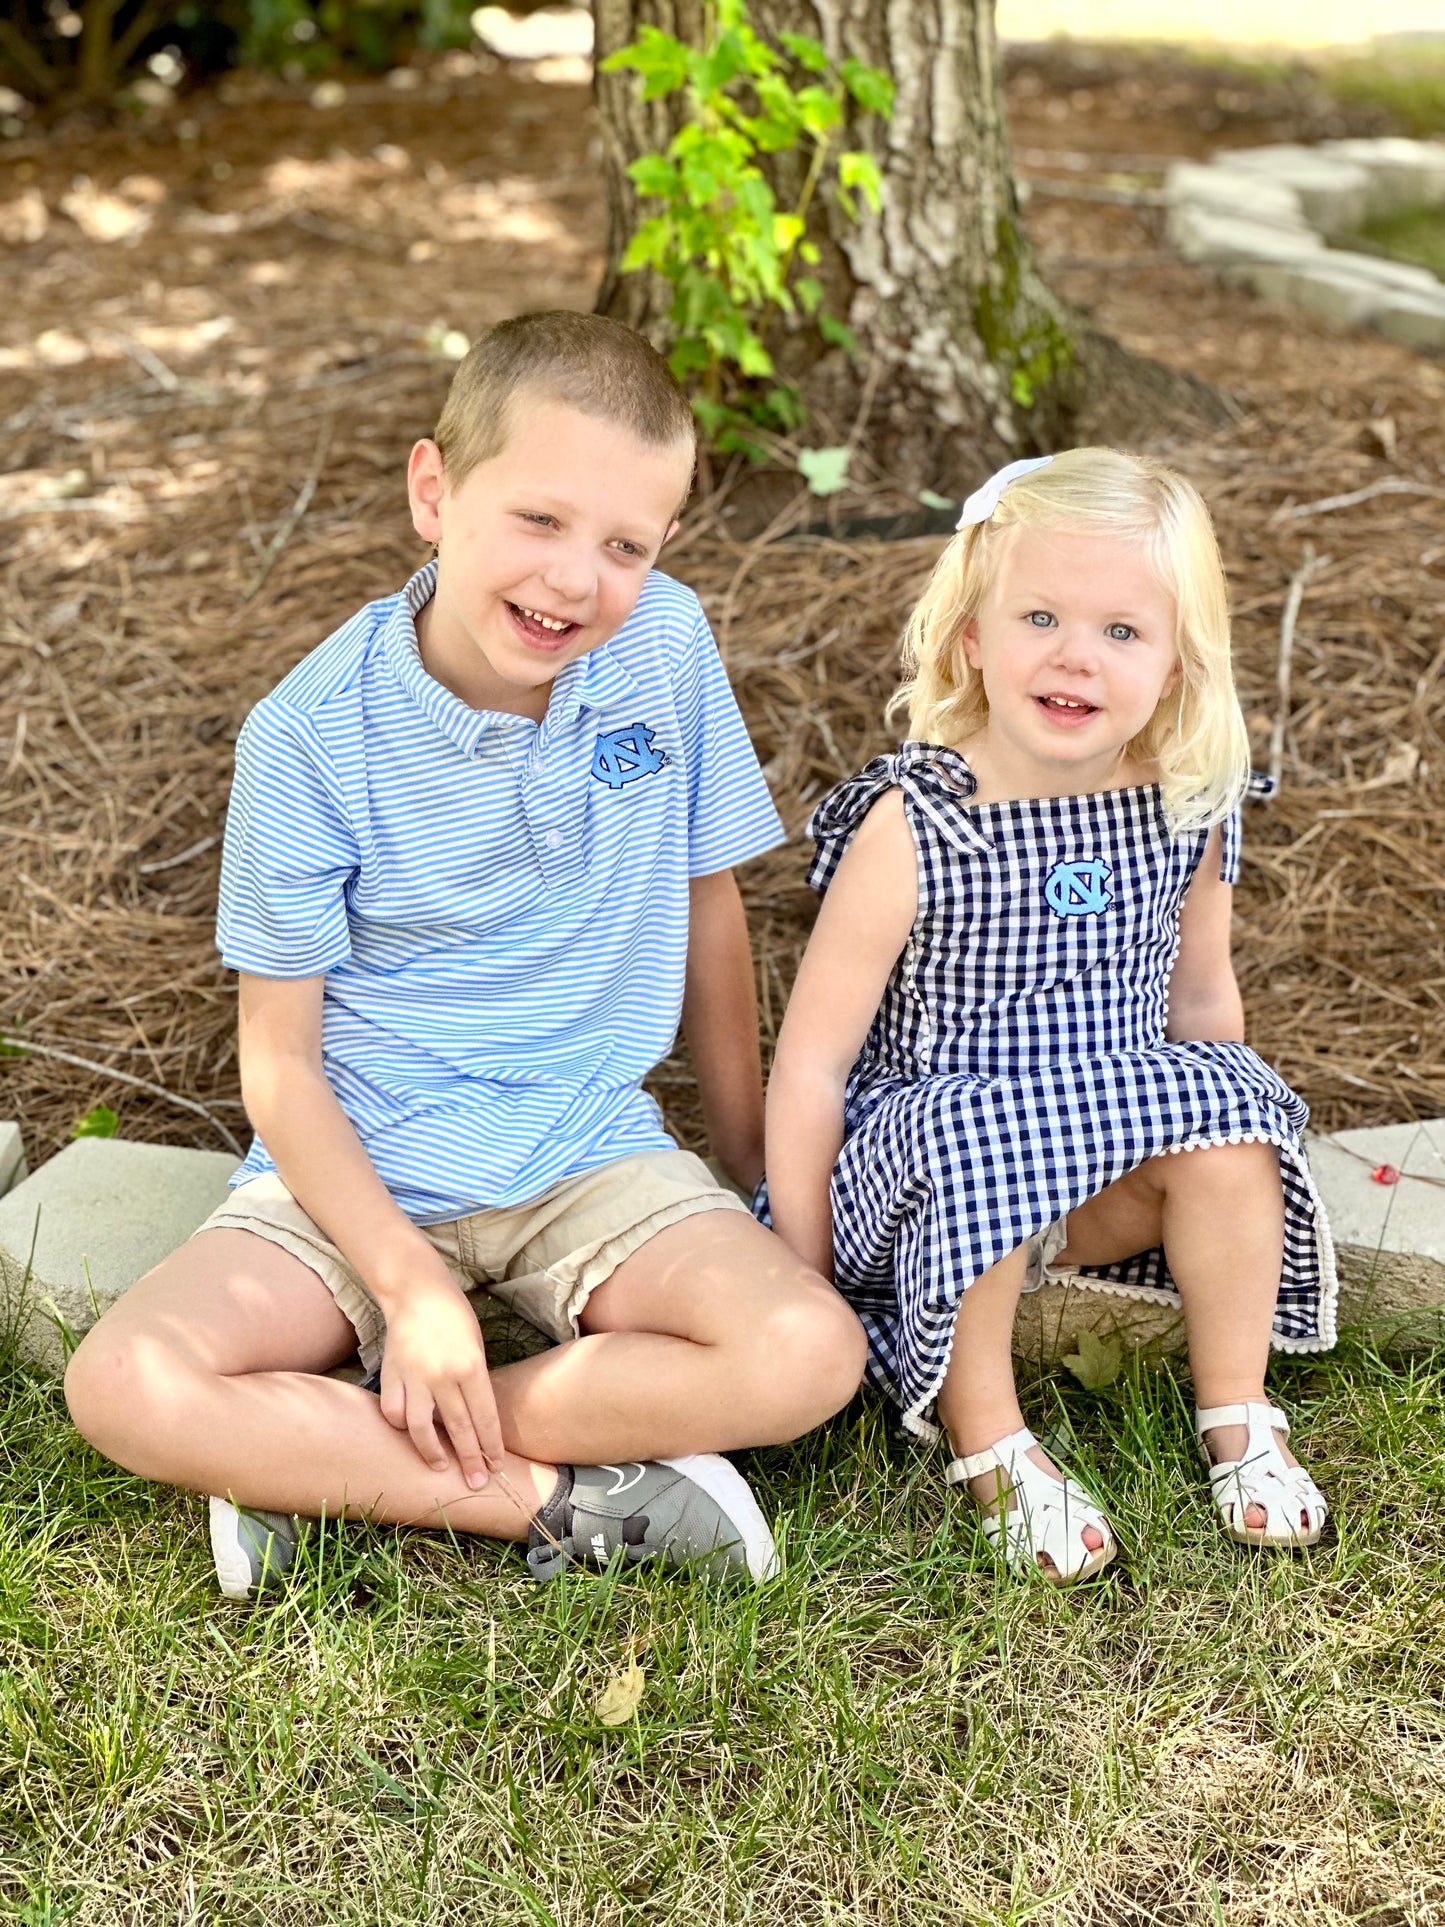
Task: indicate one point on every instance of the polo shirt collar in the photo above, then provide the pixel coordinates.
(591, 682)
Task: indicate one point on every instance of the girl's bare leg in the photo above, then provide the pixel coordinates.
(1219, 1214)
(977, 1401)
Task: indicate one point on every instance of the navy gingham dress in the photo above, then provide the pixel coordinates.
(1018, 1062)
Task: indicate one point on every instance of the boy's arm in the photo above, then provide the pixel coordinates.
(862, 927)
(434, 1366)
(720, 1022)
(1204, 1000)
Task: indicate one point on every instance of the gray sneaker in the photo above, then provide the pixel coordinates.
(252, 1549)
(691, 1514)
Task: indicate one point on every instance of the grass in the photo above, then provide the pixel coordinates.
(1407, 82)
(1416, 234)
(890, 1733)
(1400, 85)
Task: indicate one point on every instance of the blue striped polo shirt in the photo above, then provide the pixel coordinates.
(499, 907)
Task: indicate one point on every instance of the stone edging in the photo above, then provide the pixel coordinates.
(1266, 218)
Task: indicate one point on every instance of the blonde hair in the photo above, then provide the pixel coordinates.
(597, 366)
(1196, 735)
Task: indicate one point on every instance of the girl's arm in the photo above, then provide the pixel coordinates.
(862, 927)
(1204, 999)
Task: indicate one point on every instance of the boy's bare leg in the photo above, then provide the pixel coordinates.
(711, 1337)
(204, 1375)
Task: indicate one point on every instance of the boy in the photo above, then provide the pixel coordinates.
(478, 860)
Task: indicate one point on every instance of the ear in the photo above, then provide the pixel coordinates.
(968, 643)
(426, 482)
(672, 531)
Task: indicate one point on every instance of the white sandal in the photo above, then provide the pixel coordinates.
(1286, 1494)
(1039, 1513)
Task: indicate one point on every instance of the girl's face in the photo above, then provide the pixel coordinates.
(1075, 646)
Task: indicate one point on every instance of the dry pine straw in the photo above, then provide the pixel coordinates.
(137, 633)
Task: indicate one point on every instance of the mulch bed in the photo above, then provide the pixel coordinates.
(204, 421)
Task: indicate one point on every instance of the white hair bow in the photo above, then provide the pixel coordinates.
(984, 500)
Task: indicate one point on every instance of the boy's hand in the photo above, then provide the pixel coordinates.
(435, 1369)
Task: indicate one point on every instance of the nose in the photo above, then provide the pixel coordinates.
(1076, 648)
(570, 571)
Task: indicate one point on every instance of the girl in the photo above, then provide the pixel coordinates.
(1018, 1004)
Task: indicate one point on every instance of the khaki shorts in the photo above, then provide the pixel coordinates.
(528, 1268)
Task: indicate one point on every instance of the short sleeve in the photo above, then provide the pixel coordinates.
(730, 814)
(288, 855)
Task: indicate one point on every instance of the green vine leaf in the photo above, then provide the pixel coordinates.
(807, 52)
(99, 1122)
(825, 470)
(737, 261)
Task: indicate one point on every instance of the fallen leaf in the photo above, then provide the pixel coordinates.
(24, 220)
(621, 1696)
(1097, 1362)
(101, 216)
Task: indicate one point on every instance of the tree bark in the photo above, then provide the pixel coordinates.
(968, 358)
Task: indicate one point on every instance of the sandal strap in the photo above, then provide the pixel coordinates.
(1000, 1456)
(1041, 1513)
(1270, 1416)
(1282, 1492)
(1294, 1508)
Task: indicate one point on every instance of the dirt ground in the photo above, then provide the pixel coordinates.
(219, 339)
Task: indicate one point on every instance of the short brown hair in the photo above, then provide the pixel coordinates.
(599, 367)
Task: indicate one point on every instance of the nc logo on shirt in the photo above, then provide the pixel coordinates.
(625, 754)
(1079, 889)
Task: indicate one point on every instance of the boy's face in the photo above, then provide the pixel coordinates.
(543, 550)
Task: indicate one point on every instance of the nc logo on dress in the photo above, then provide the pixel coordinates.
(625, 754)
(1079, 889)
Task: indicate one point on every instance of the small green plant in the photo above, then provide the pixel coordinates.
(98, 1122)
(735, 259)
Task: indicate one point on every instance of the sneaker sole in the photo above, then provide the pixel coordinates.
(733, 1496)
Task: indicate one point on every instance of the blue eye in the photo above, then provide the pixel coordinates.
(1121, 632)
(1040, 618)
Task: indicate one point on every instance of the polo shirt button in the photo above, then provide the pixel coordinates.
(477, 754)
(554, 839)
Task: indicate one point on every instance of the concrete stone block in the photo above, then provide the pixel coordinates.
(1312, 285)
(1389, 1244)
(12, 1157)
(1376, 270)
(1414, 320)
(1334, 193)
(1406, 1218)
(1402, 173)
(89, 1222)
(1212, 239)
(1227, 190)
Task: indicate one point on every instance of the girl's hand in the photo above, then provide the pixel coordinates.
(862, 927)
(435, 1369)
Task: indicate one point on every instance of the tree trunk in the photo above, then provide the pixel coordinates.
(967, 357)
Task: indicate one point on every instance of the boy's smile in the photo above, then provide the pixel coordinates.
(543, 550)
(1075, 645)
